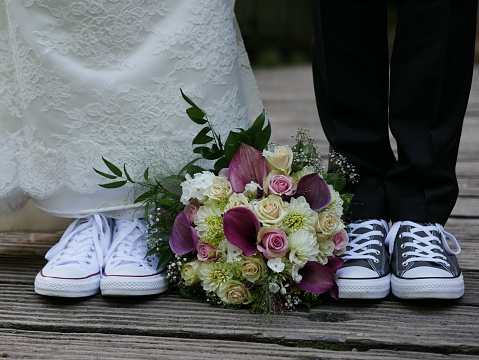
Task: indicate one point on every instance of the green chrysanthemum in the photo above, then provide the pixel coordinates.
(214, 274)
(209, 224)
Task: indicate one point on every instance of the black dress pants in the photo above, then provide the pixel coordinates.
(420, 95)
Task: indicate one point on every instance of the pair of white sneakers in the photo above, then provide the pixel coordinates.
(97, 253)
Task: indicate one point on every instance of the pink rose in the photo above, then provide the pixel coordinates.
(206, 251)
(191, 209)
(340, 241)
(282, 185)
(273, 242)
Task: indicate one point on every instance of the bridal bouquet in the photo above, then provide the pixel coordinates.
(261, 229)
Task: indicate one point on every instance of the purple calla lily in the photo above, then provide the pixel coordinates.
(241, 227)
(183, 237)
(334, 263)
(315, 190)
(247, 165)
(317, 278)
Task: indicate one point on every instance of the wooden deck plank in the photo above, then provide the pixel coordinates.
(55, 345)
(367, 324)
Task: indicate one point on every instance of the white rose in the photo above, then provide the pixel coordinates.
(281, 159)
(328, 223)
(219, 189)
(237, 200)
(270, 210)
(190, 272)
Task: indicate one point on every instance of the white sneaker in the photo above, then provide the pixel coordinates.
(75, 263)
(128, 271)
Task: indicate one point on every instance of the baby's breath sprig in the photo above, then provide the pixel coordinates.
(306, 152)
(339, 164)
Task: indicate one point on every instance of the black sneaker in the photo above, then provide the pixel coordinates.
(365, 274)
(422, 263)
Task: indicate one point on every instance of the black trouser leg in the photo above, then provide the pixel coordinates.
(431, 72)
(351, 73)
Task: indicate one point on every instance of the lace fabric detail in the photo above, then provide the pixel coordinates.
(91, 78)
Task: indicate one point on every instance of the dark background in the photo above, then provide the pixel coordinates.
(277, 32)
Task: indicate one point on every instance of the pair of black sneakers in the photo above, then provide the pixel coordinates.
(413, 260)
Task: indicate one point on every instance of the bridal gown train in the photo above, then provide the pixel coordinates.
(90, 78)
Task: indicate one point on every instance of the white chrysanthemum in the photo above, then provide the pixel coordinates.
(209, 224)
(303, 247)
(326, 248)
(196, 187)
(214, 274)
(336, 204)
(299, 215)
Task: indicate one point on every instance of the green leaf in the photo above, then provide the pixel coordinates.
(112, 167)
(147, 196)
(221, 164)
(108, 176)
(193, 169)
(201, 150)
(258, 123)
(263, 138)
(184, 168)
(213, 155)
(146, 173)
(165, 254)
(114, 185)
(163, 201)
(202, 137)
(197, 115)
(187, 99)
(127, 175)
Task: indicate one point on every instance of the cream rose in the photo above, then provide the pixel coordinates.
(270, 210)
(328, 223)
(190, 272)
(253, 269)
(219, 189)
(233, 292)
(237, 200)
(281, 159)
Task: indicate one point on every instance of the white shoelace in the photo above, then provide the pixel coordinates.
(424, 248)
(82, 238)
(129, 245)
(358, 247)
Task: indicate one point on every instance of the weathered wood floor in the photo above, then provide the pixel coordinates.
(169, 327)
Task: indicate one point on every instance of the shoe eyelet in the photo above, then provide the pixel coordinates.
(378, 252)
(99, 237)
(404, 255)
(88, 262)
(403, 246)
(400, 236)
(89, 256)
(448, 265)
(404, 263)
(376, 261)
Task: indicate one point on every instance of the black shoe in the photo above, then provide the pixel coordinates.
(422, 263)
(365, 274)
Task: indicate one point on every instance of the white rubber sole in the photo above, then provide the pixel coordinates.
(432, 288)
(133, 285)
(376, 288)
(72, 288)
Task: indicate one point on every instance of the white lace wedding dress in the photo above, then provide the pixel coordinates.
(90, 78)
